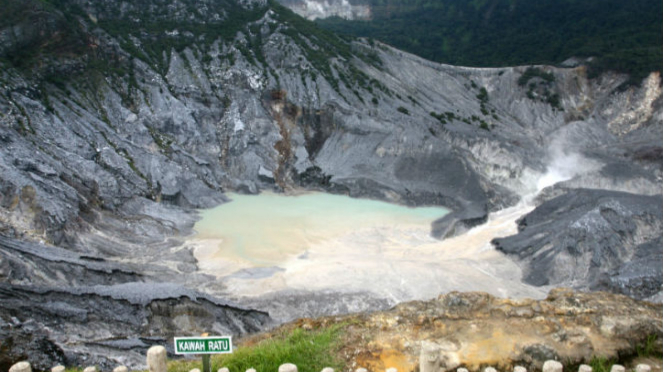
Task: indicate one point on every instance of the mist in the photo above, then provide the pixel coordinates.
(564, 163)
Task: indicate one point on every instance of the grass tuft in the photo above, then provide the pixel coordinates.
(648, 348)
(310, 351)
(601, 364)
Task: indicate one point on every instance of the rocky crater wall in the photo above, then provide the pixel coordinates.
(116, 124)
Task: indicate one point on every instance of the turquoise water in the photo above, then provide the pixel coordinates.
(267, 229)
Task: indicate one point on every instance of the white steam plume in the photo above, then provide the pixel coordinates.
(564, 165)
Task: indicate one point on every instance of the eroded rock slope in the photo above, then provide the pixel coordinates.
(606, 240)
(119, 118)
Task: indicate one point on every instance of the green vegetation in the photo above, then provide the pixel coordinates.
(624, 35)
(157, 35)
(648, 348)
(322, 47)
(601, 364)
(533, 72)
(553, 100)
(403, 110)
(449, 117)
(310, 351)
(483, 100)
(150, 35)
(140, 32)
(24, 122)
(483, 95)
(540, 91)
(40, 32)
(440, 117)
(318, 57)
(162, 140)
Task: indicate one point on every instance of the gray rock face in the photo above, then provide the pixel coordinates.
(101, 310)
(104, 323)
(314, 9)
(29, 340)
(592, 239)
(110, 137)
(286, 306)
(455, 223)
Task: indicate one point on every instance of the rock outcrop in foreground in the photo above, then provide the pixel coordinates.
(474, 330)
(104, 325)
(118, 119)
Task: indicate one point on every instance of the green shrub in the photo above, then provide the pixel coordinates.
(533, 72)
(439, 117)
(483, 95)
(553, 100)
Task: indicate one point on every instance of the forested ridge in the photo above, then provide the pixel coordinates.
(625, 36)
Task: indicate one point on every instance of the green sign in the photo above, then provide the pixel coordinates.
(203, 345)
